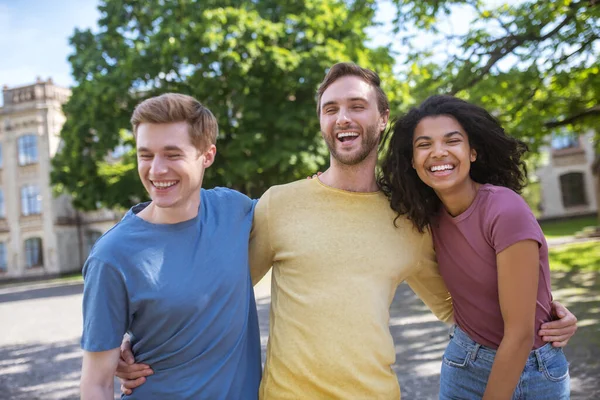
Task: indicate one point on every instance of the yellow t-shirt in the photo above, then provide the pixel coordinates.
(337, 259)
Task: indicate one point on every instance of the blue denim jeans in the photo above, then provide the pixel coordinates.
(467, 365)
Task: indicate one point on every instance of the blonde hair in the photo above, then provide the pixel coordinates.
(175, 107)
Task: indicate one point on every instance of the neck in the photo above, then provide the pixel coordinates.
(352, 178)
(170, 215)
(457, 200)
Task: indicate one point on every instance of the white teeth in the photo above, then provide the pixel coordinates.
(441, 167)
(165, 184)
(346, 134)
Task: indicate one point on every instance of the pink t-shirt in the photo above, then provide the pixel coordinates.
(466, 248)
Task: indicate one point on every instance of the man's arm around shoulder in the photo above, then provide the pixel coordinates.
(261, 248)
(428, 284)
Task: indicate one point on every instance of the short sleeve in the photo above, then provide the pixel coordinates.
(428, 284)
(512, 221)
(239, 203)
(261, 251)
(105, 307)
(245, 203)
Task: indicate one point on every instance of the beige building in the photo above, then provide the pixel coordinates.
(568, 186)
(39, 234)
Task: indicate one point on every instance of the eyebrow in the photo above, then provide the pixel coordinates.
(447, 135)
(166, 148)
(332, 102)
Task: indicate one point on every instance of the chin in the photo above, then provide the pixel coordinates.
(164, 203)
(439, 186)
(161, 204)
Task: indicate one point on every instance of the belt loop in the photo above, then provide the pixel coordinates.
(475, 351)
(451, 331)
(538, 358)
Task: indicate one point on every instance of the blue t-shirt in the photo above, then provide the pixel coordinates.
(183, 291)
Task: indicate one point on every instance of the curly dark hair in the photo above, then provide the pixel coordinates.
(498, 161)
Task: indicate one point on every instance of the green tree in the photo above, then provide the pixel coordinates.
(255, 63)
(534, 64)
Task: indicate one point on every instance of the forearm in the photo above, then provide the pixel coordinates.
(508, 365)
(97, 391)
(429, 286)
(97, 374)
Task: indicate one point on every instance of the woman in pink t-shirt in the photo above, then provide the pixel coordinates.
(451, 168)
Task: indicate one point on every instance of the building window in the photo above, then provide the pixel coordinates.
(3, 257)
(572, 187)
(28, 149)
(564, 140)
(31, 201)
(91, 238)
(2, 206)
(33, 253)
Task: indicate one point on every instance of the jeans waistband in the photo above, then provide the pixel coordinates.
(537, 356)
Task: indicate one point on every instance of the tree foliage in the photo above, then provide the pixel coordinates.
(534, 64)
(255, 63)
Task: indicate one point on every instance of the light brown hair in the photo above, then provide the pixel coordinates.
(341, 70)
(175, 107)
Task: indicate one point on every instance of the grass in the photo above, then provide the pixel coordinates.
(74, 277)
(576, 256)
(569, 227)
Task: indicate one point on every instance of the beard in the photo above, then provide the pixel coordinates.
(369, 141)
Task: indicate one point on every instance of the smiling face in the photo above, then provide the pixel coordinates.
(442, 155)
(351, 123)
(169, 165)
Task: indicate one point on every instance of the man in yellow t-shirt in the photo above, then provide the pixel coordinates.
(337, 258)
(338, 253)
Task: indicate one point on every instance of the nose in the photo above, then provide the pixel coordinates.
(158, 166)
(342, 117)
(439, 150)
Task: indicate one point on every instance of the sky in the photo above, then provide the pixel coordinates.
(34, 36)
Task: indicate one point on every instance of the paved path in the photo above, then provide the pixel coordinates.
(40, 330)
(39, 342)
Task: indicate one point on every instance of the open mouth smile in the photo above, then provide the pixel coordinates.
(441, 169)
(163, 185)
(347, 136)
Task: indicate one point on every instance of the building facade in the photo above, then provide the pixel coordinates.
(40, 234)
(567, 183)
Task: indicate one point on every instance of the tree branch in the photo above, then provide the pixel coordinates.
(526, 100)
(510, 43)
(571, 119)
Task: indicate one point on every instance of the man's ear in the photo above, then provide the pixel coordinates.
(385, 116)
(209, 156)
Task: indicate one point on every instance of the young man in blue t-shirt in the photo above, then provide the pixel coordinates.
(173, 273)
